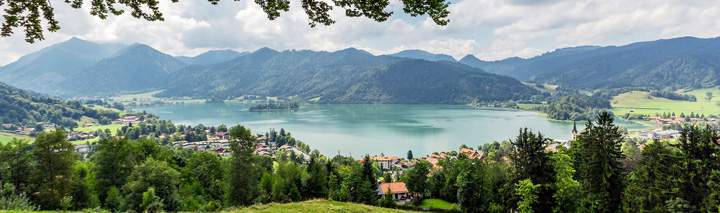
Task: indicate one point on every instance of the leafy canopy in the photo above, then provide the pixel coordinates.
(30, 14)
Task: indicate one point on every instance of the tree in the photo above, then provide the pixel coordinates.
(16, 164)
(243, 175)
(113, 164)
(416, 178)
(31, 14)
(567, 189)
(409, 155)
(13, 201)
(599, 164)
(699, 153)
(318, 177)
(470, 189)
(54, 157)
(531, 162)
(206, 169)
(114, 200)
(653, 182)
(528, 193)
(155, 175)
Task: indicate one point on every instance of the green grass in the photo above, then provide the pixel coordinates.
(637, 102)
(149, 98)
(315, 206)
(7, 137)
(438, 204)
(113, 128)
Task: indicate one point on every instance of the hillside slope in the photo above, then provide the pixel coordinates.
(27, 108)
(41, 71)
(346, 76)
(137, 67)
(685, 62)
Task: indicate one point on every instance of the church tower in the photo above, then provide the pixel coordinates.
(574, 131)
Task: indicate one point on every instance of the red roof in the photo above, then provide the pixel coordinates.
(385, 158)
(394, 188)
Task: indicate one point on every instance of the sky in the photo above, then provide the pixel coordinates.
(488, 29)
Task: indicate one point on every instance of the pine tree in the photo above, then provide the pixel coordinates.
(599, 164)
(531, 162)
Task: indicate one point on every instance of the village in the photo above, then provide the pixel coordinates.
(269, 145)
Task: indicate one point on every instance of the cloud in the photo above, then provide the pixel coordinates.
(490, 29)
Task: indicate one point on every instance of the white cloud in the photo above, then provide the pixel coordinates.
(490, 29)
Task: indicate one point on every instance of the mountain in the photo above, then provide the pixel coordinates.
(345, 76)
(685, 62)
(423, 55)
(40, 70)
(211, 57)
(27, 108)
(137, 67)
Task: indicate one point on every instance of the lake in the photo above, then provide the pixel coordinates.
(374, 128)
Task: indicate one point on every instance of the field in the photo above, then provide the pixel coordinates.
(6, 137)
(113, 128)
(637, 102)
(438, 204)
(149, 98)
(315, 206)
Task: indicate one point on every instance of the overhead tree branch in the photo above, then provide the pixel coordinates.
(36, 16)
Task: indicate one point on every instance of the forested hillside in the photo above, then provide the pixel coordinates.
(685, 62)
(137, 67)
(27, 108)
(346, 76)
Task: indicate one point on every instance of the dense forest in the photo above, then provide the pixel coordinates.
(591, 175)
(684, 62)
(23, 108)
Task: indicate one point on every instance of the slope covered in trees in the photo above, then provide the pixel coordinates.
(678, 62)
(346, 76)
(27, 108)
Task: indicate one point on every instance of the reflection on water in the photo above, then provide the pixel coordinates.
(374, 128)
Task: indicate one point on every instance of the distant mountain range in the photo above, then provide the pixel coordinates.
(82, 68)
(423, 55)
(346, 76)
(685, 62)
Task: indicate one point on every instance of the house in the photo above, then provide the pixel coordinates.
(7, 126)
(386, 162)
(398, 190)
(666, 134)
(222, 135)
(130, 119)
(470, 153)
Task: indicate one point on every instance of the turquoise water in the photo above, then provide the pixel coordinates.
(359, 129)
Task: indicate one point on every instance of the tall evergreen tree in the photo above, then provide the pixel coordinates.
(531, 162)
(654, 181)
(699, 151)
(599, 164)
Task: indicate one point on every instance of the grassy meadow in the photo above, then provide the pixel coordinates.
(638, 102)
(315, 206)
(438, 204)
(7, 137)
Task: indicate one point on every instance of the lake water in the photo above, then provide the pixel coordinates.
(359, 129)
